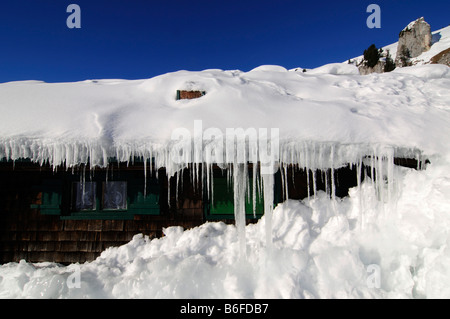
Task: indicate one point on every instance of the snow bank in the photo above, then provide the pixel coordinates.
(269, 68)
(426, 71)
(358, 247)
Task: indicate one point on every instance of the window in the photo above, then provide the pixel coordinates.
(114, 196)
(84, 196)
(189, 95)
(117, 199)
(223, 201)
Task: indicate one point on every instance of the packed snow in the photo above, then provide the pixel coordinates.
(388, 239)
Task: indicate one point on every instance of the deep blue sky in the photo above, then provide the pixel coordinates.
(135, 39)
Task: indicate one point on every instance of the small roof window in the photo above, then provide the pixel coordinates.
(189, 95)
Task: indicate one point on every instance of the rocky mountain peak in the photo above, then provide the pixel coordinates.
(413, 40)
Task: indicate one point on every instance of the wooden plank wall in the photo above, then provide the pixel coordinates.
(27, 234)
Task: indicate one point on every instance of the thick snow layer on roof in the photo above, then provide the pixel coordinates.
(408, 108)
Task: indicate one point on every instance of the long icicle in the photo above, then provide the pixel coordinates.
(239, 205)
(358, 180)
(268, 187)
(145, 177)
(254, 171)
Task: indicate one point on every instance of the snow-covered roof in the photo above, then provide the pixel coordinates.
(407, 108)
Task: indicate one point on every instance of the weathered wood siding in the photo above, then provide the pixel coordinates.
(46, 234)
(26, 233)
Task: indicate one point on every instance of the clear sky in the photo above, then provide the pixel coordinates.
(136, 39)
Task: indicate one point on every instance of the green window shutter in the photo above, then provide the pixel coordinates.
(51, 197)
(223, 202)
(144, 204)
(222, 205)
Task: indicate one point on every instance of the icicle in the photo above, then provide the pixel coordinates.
(391, 181)
(372, 170)
(194, 176)
(307, 184)
(239, 204)
(229, 175)
(286, 191)
(254, 189)
(314, 173)
(211, 183)
(268, 188)
(194, 173)
(358, 180)
(91, 173)
(307, 172)
(283, 181)
(390, 176)
(333, 186)
(208, 179)
(247, 187)
(197, 176)
(145, 177)
(380, 180)
(293, 174)
(168, 189)
(177, 181)
(417, 156)
(151, 162)
(258, 184)
(83, 183)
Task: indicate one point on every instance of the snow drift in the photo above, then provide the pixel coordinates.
(321, 249)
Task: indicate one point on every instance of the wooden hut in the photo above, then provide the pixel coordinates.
(71, 214)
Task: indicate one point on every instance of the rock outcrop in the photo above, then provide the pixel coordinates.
(417, 45)
(384, 64)
(378, 68)
(413, 41)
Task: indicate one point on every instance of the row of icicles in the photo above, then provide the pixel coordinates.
(309, 156)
